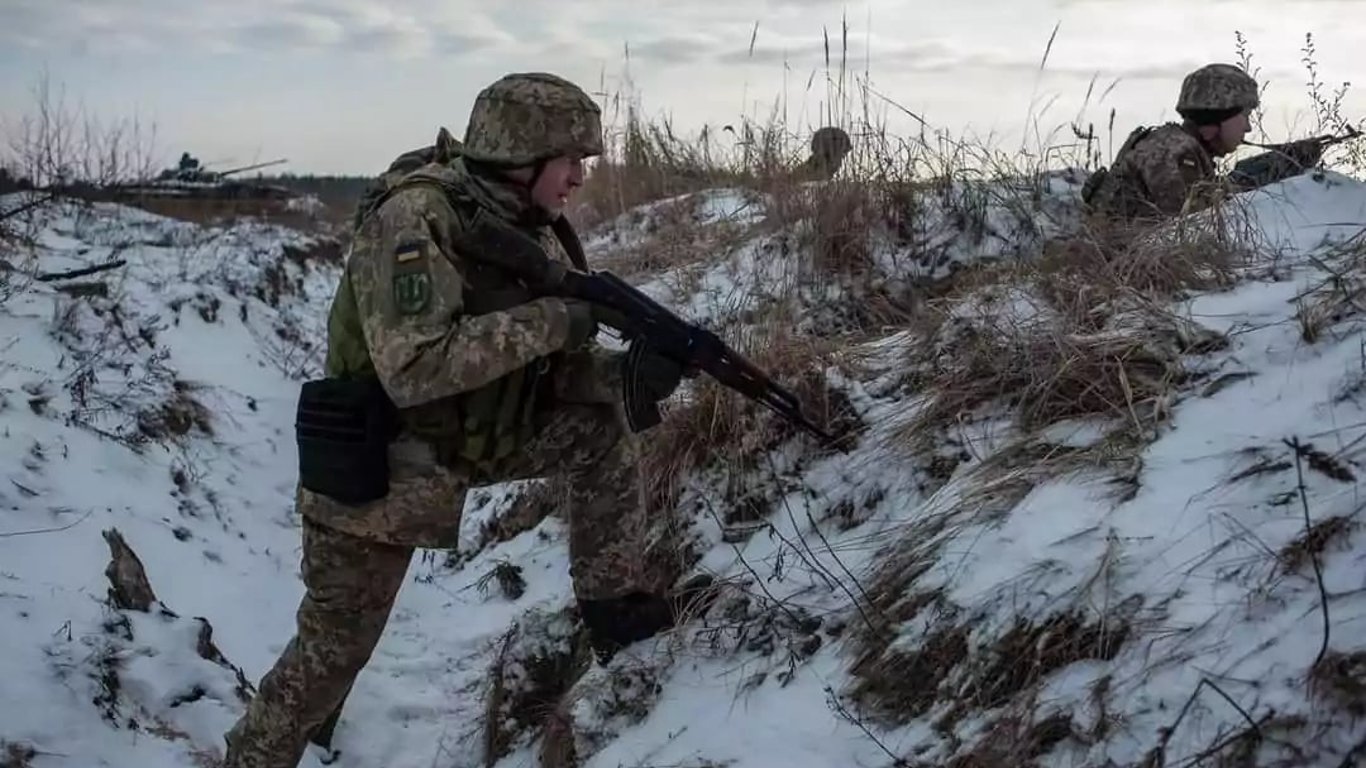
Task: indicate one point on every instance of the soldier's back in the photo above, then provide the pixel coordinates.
(1152, 175)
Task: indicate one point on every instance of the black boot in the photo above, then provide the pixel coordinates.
(617, 622)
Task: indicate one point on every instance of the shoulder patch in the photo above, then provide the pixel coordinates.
(412, 280)
(412, 292)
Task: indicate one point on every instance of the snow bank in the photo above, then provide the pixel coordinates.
(1034, 598)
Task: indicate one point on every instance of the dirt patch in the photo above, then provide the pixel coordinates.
(177, 416)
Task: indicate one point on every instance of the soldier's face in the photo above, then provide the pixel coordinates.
(1232, 132)
(557, 183)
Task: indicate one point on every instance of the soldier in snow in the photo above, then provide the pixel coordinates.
(1169, 170)
(829, 147)
(467, 379)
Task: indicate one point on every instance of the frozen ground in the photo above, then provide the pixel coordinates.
(1043, 611)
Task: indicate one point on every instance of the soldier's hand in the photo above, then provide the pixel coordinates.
(583, 325)
(609, 317)
(658, 375)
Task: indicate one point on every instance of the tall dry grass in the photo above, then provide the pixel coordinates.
(1078, 365)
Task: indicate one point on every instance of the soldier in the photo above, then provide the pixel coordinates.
(1169, 170)
(486, 383)
(829, 147)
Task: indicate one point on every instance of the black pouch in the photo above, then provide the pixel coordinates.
(343, 428)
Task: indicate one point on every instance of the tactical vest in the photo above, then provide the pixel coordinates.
(1113, 191)
(485, 424)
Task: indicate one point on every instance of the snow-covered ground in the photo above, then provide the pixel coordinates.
(1005, 612)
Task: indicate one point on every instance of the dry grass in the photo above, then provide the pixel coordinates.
(177, 416)
(666, 236)
(1044, 374)
(835, 221)
(898, 681)
(646, 160)
(1103, 265)
(1082, 333)
(526, 684)
(1313, 543)
(716, 426)
(1341, 679)
(1015, 739)
(899, 685)
(1339, 297)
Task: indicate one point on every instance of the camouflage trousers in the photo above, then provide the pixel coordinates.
(352, 580)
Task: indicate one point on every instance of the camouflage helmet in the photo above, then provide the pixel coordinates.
(830, 142)
(526, 117)
(1217, 88)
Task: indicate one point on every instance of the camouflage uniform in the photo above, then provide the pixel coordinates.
(1159, 172)
(829, 146)
(1169, 170)
(490, 383)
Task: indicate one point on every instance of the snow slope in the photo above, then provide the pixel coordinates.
(1008, 612)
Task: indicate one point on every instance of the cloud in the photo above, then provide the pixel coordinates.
(675, 50)
(458, 44)
(288, 32)
(403, 28)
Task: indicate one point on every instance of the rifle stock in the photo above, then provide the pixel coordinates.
(643, 322)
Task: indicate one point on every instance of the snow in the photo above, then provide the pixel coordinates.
(1184, 566)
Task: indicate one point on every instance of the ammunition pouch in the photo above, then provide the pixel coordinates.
(496, 420)
(343, 428)
(501, 418)
(488, 423)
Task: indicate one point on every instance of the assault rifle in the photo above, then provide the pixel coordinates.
(643, 322)
(1286, 159)
(1323, 141)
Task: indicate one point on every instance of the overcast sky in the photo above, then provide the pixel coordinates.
(344, 85)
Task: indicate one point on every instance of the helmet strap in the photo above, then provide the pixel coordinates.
(536, 171)
(533, 212)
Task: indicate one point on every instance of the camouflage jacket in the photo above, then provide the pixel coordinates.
(417, 297)
(467, 354)
(1159, 172)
